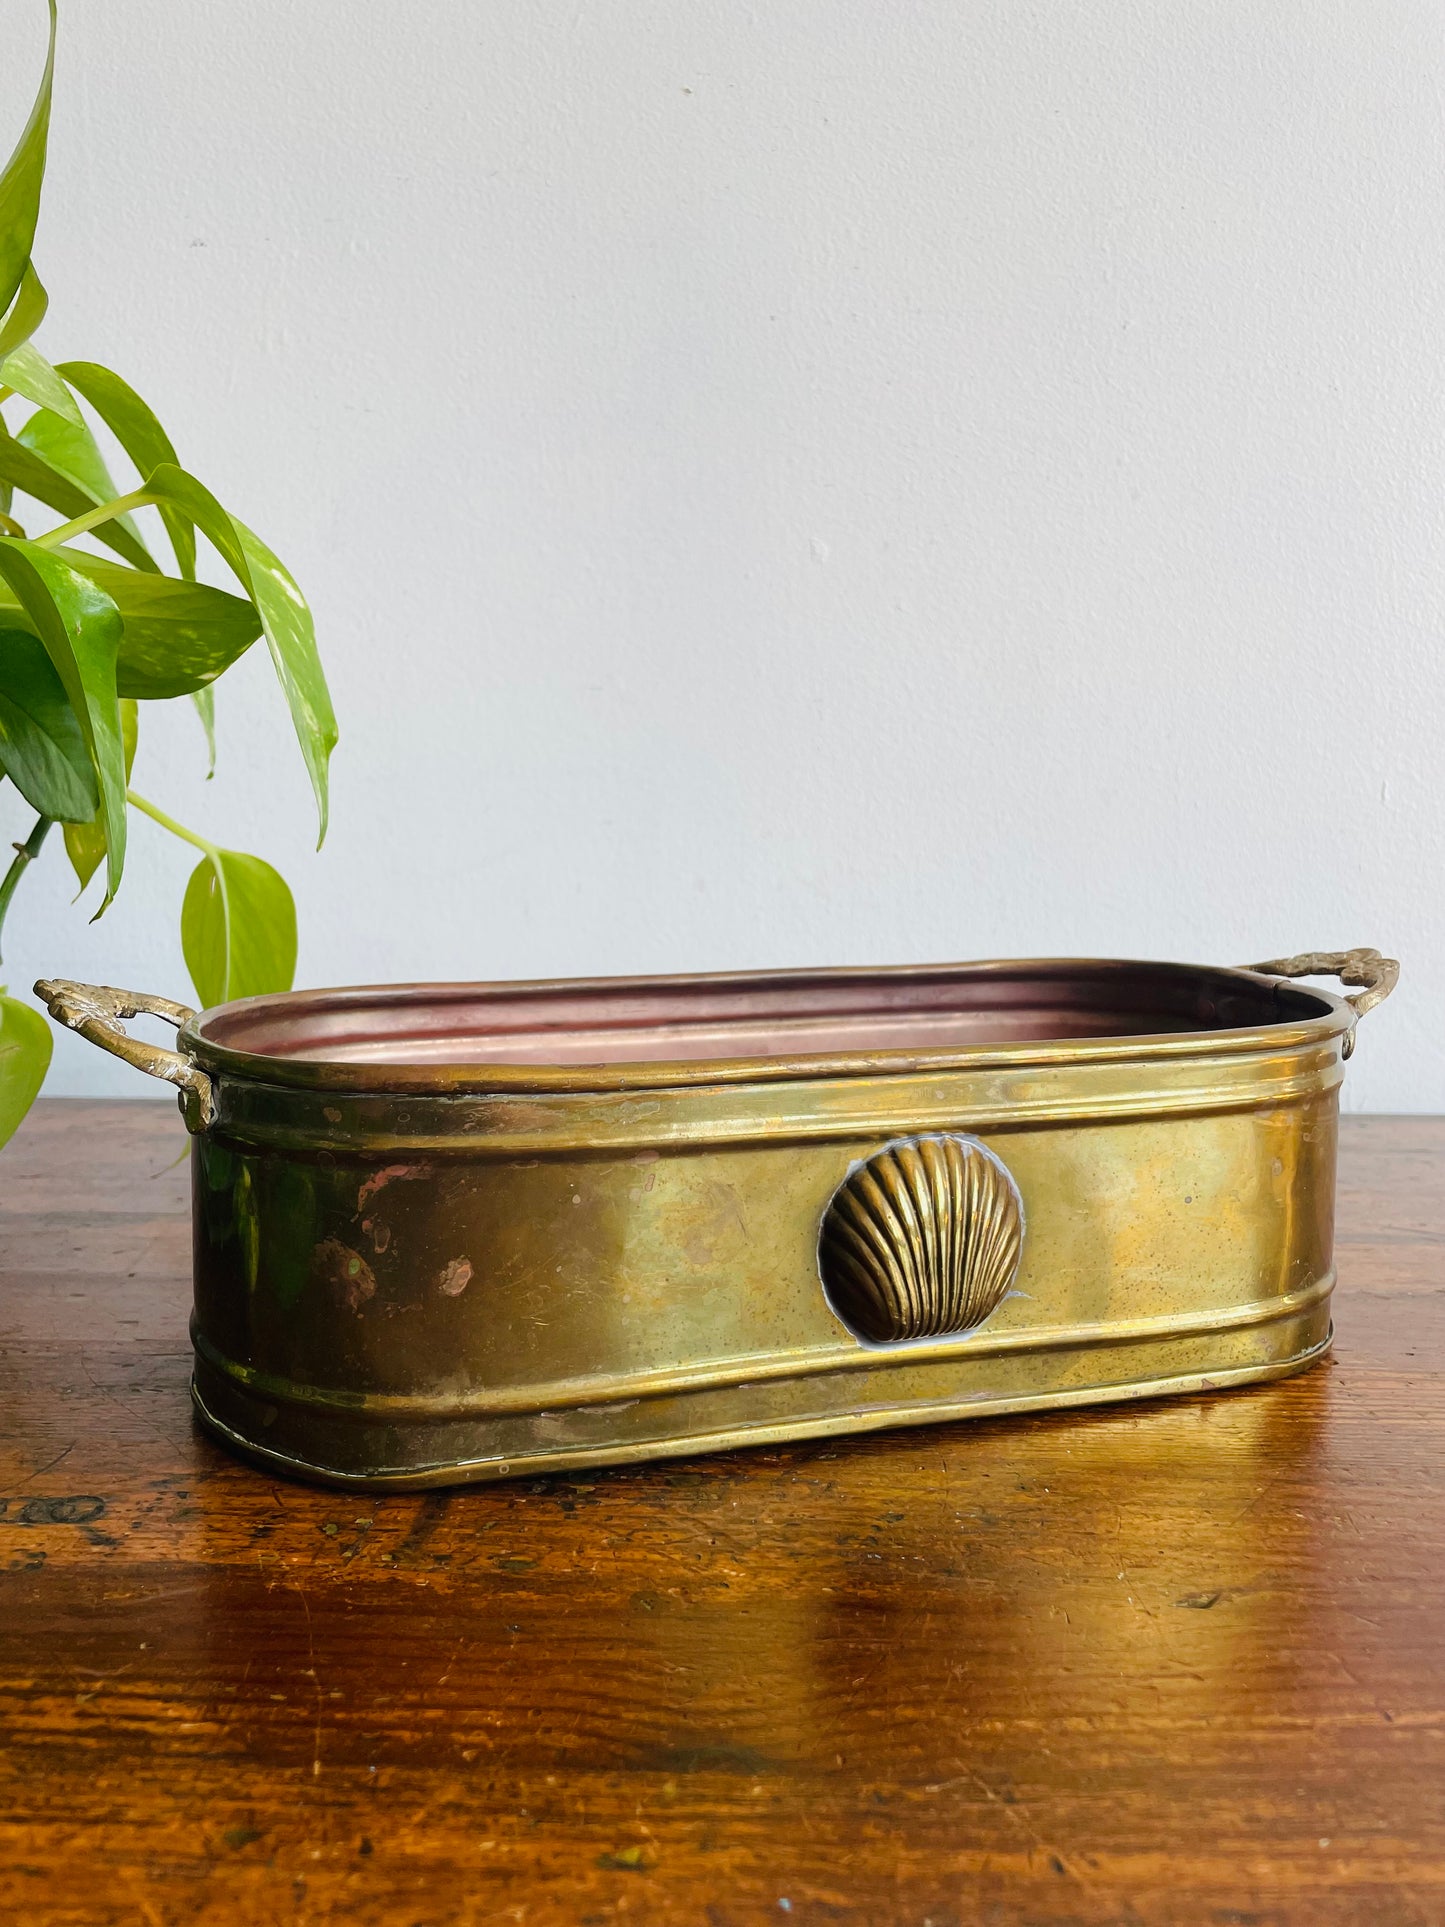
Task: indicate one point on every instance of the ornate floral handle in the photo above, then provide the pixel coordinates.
(95, 1012)
(1376, 976)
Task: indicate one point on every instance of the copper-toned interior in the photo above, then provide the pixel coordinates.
(786, 1014)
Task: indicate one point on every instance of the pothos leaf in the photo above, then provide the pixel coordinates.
(205, 701)
(285, 618)
(81, 628)
(85, 842)
(22, 468)
(24, 1059)
(135, 427)
(20, 184)
(27, 313)
(179, 636)
(42, 746)
(27, 371)
(72, 451)
(85, 846)
(238, 928)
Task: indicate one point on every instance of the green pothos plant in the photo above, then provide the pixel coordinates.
(87, 638)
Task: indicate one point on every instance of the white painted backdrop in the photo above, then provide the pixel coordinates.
(812, 482)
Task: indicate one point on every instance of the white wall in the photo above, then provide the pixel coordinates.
(813, 482)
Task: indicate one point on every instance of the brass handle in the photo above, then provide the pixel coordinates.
(1376, 976)
(95, 1012)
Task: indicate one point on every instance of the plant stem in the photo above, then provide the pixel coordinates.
(25, 853)
(158, 815)
(209, 850)
(107, 512)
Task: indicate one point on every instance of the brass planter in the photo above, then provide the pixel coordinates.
(455, 1232)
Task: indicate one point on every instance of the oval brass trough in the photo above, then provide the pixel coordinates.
(447, 1232)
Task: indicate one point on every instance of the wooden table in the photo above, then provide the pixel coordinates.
(1178, 1662)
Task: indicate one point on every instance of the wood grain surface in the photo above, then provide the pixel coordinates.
(1177, 1662)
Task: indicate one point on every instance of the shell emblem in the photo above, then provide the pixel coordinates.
(922, 1239)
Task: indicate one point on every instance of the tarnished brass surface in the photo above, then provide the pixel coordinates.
(515, 1258)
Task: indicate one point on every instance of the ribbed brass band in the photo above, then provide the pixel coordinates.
(563, 1395)
(345, 1125)
(877, 1419)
